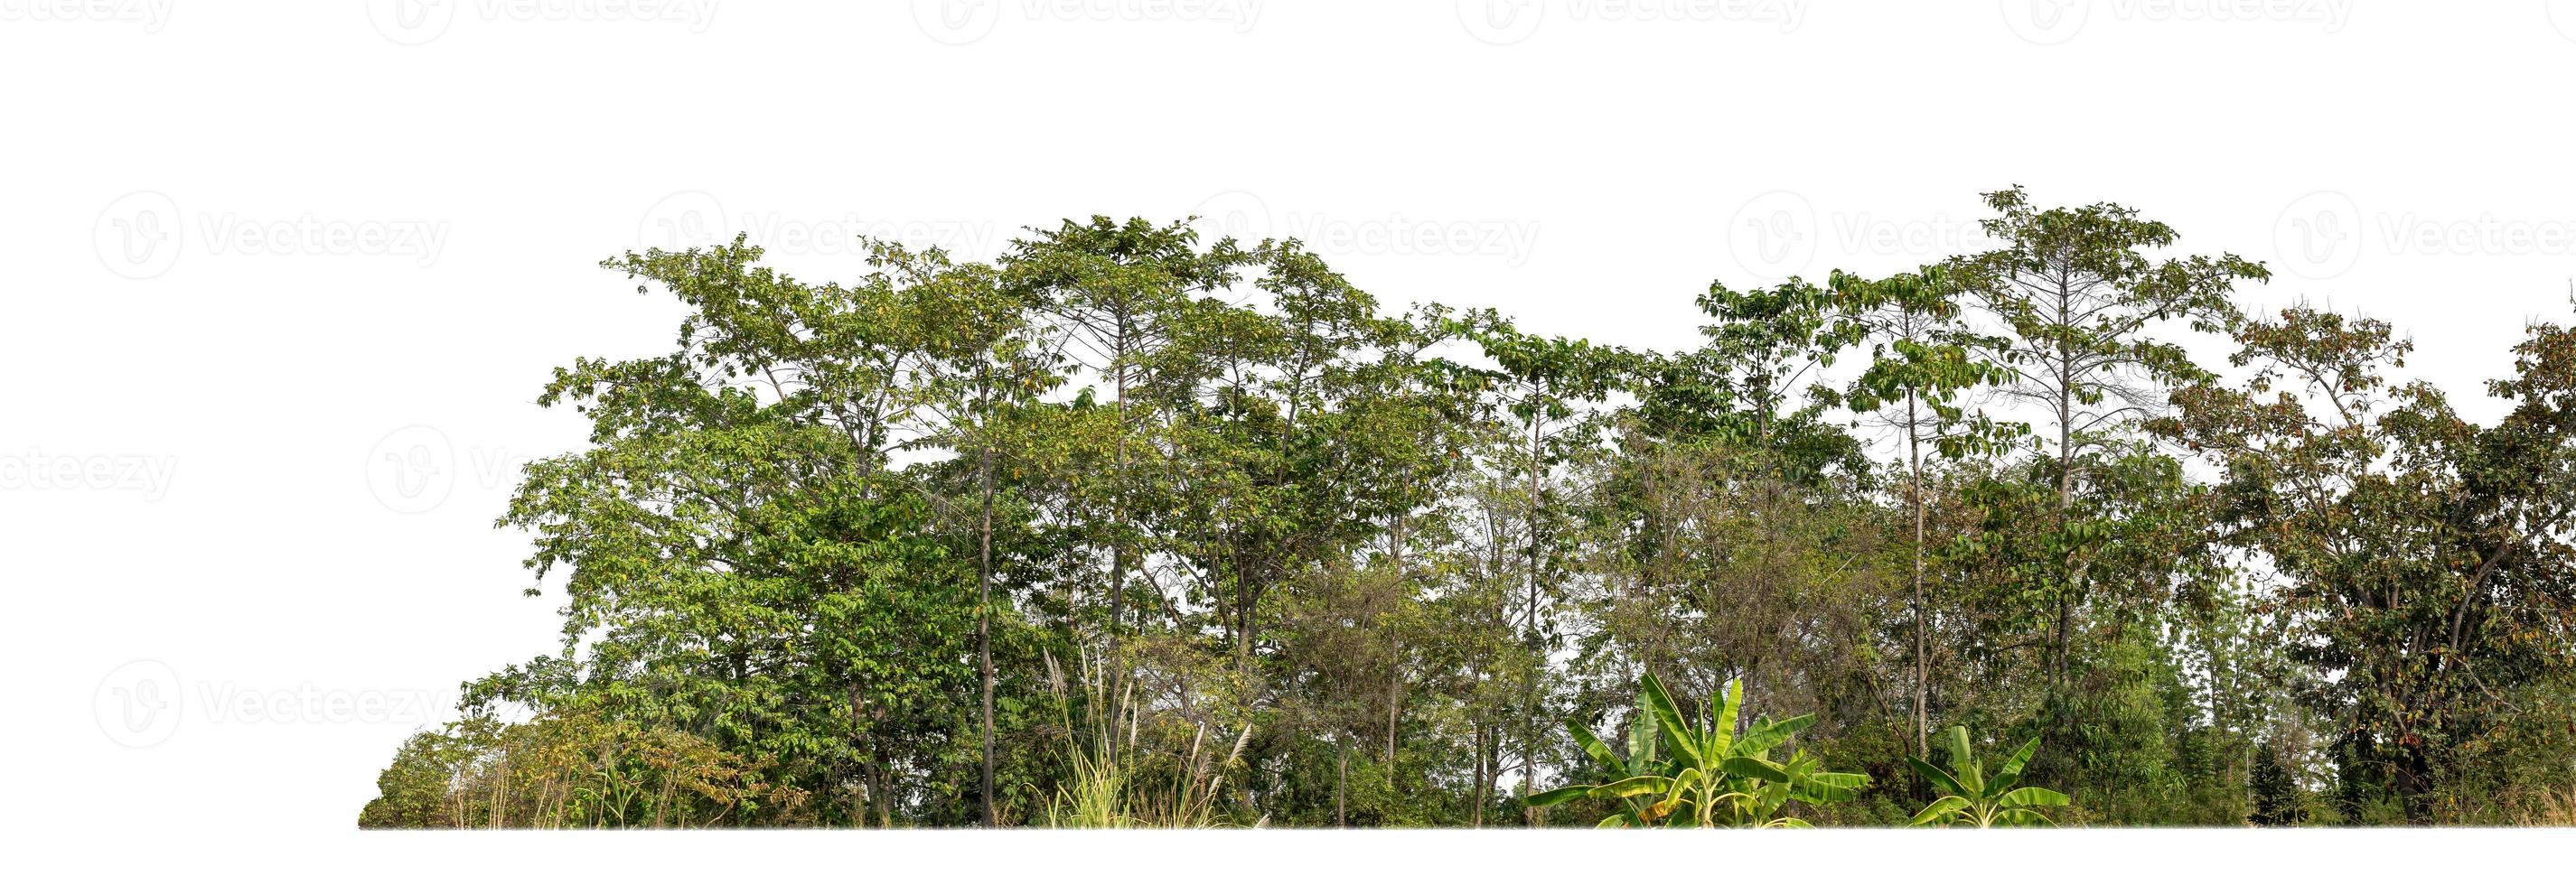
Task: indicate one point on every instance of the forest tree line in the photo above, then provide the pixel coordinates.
(1127, 527)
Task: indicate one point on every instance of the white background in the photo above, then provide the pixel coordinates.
(280, 281)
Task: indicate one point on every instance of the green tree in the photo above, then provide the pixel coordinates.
(2422, 557)
(1546, 384)
(2082, 299)
(1924, 358)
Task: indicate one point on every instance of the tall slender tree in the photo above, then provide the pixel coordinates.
(1924, 358)
(1547, 384)
(991, 354)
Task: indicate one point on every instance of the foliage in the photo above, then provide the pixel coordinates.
(1114, 786)
(1718, 774)
(1970, 798)
(1329, 562)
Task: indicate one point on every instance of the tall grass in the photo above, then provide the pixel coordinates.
(2546, 807)
(1115, 784)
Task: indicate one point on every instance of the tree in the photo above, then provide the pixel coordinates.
(988, 354)
(1122, 288)
(2081, 299)
(1923, 358)
(1129, 529)
(744, 564)
(1544, 383)
(2423, 559)
(1756, 382)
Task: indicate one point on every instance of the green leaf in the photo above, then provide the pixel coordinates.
(1638, 785)
(2019, 758)
(1592, 746)
(1831, 786)
(1770, 734)
(1997, 785)
(1722, 730)
(2031, 796)
(1668, 717)
(1558, 795)
(1940, 779)
(2022, 817)
(1757, 769)
(1940, 811)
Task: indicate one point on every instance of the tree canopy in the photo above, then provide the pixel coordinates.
(1128, 527)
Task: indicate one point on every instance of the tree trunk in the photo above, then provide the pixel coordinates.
(1395, 652)
(984, 598)
(1922, 661)
(2065, 499)
(1529, 626)
(1118, 524)
(1341, 782)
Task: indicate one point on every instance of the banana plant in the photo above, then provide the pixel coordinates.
(1715, 775)
(1972, 799)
